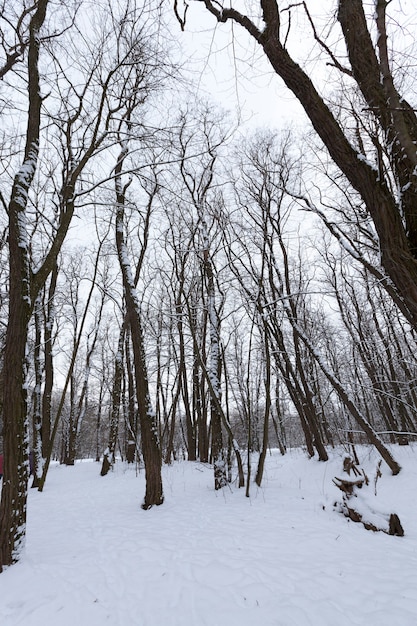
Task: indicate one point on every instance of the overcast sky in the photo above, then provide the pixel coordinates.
(231, 68)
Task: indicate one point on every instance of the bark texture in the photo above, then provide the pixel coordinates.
(21, 302)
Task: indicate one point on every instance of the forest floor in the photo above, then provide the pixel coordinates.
(282, 557)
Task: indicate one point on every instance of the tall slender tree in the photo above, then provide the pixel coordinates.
(151, 450)
(24, 286)
(382, 172)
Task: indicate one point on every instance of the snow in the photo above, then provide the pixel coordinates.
(283, 557)
(363, 159)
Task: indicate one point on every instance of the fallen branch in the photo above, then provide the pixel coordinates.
(389, 524)
(348, 486)
(357, 509)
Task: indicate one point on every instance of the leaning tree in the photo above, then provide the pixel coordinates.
(381, 166)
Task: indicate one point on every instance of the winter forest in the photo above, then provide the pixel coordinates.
(183, 281)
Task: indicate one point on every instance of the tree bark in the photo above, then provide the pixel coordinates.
(149, 431)
(214, 371)
(21, 302)
(48, 364)
(109, 454)
(36, 398)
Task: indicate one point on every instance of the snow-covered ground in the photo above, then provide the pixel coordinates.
(282, 557)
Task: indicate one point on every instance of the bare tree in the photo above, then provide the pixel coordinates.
(109, 453)
(366, 66)
(149, 432)
(380, 345)
(23, 288)
(79, 399)
(206, 207)
(87, 93)
(14, 34)
(279, 289)
(259, 257)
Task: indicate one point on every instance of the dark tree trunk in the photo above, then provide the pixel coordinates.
(48, 363)
(15, 424)
(268, 403)
(36, 399)
(109, 454)
(149, 432)
(199, 403)
(131, 424)
(148, 424)
(190, 425)
(21, 301)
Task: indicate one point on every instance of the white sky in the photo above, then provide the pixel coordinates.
(231, 67)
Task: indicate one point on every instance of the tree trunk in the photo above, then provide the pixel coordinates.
(268, 404)
(21, 300)
(36, 398)
(199, 404)
(149, 430)
(15, 428)
(217, 449)
(109, 454)
(49, 364)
